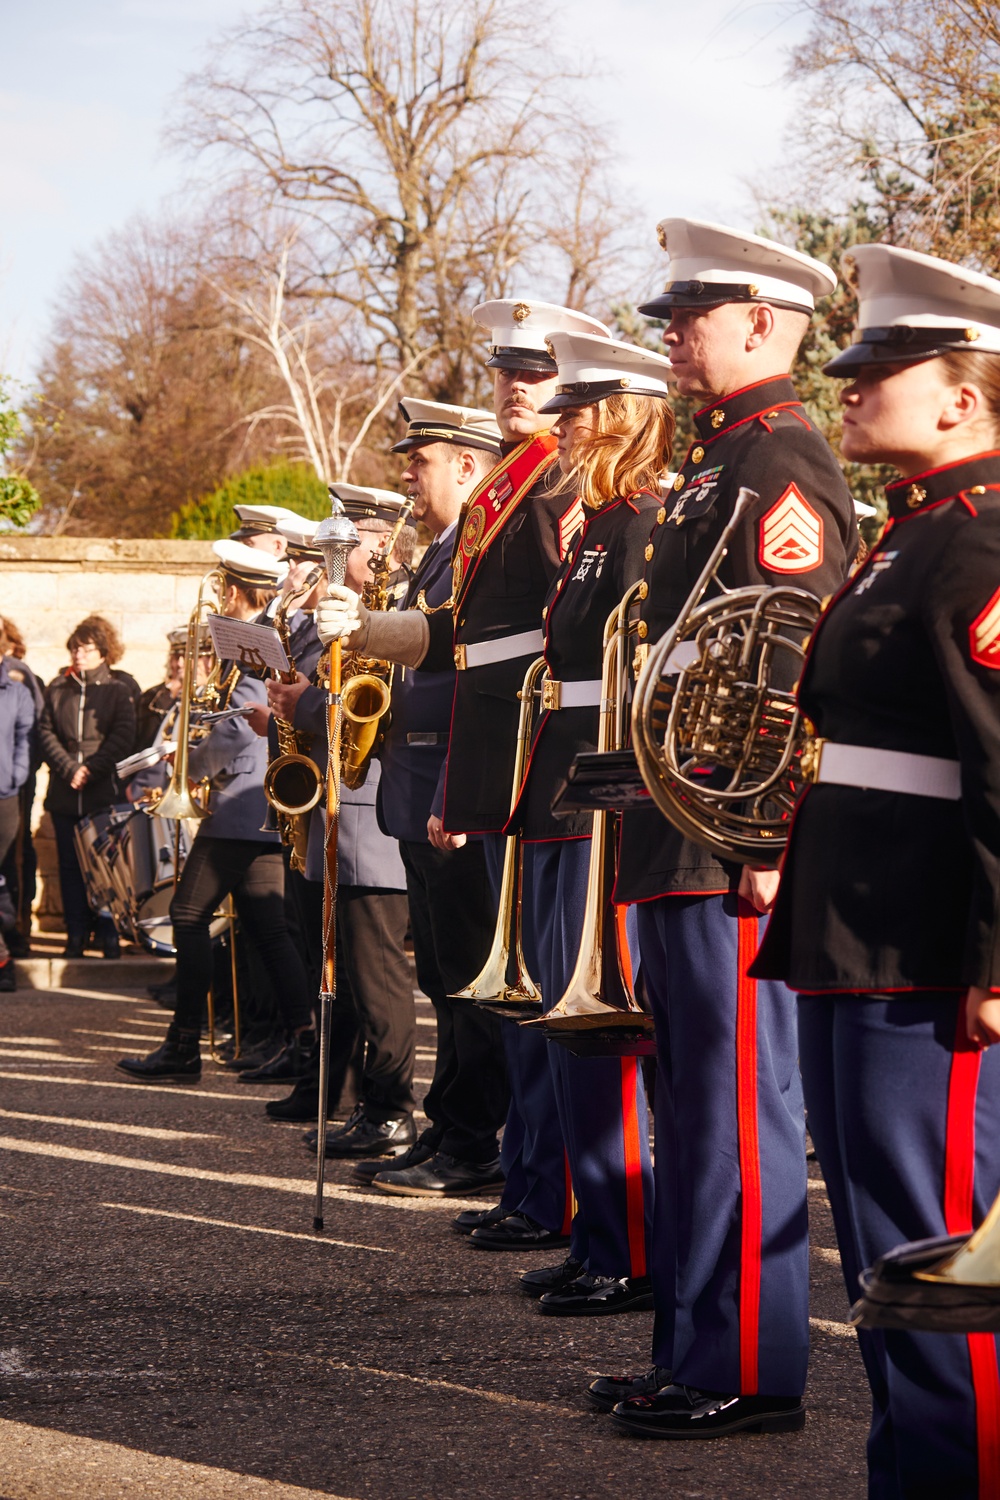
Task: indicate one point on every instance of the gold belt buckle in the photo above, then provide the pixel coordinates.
(811, 759)
(551, 694)
(460, 661)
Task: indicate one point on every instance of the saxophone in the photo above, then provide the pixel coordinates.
(367, 681)
(293, 783)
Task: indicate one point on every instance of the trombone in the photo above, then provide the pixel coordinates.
(599, 1016)
(504, 984)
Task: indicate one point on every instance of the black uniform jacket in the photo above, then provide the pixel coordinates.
(416, 744)
(606, 558)
(505, 597)
(802, 533)
(888, 890)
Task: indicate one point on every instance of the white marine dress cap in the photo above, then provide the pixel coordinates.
(591, 369)
(711, 264)
(913, 307)
(519, 326)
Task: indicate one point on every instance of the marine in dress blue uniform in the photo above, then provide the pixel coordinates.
(730, 1257)
(888, 906)
(601, 1101)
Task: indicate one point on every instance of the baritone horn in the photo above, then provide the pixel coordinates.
(599, 1014)
(177, 800)
(718, 741)
(504, 984)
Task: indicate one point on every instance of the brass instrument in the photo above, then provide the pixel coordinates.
(504, 984)
(367, 681)
(293, 783)
(719, 745)
(599, 1014)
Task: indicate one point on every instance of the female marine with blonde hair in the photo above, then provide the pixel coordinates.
(615, 428)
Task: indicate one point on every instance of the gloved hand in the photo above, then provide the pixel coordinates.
(339, 614)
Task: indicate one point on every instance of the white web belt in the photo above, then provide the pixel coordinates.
(887, 771)
(507, 648)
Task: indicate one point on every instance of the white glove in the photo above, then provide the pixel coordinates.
(339, 614)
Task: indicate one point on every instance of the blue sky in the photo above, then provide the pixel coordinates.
(694, 89)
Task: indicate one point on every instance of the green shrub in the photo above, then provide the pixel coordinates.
(292, 485)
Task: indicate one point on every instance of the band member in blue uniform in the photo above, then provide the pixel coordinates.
(730, 1249)
(614, 428)
(231, 853)
(448, 450)
(888, 914)
(514, 532)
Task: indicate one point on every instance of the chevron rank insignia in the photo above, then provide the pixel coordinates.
(569, 525)
(984, 635)
(791, 535)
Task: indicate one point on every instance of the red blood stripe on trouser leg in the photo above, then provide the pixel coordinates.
(570, 1208)
(959, 1187)
(634, 1206)
(749, 1149)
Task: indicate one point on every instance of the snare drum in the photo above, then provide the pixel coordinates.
(140, 857)
(90, 836)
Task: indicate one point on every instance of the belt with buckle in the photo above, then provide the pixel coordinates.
(556, 695)
(421, 737)
(824, 762)
(506, 648)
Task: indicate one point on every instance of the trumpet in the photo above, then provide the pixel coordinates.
(504, 984)
(367, 682)
(719, 744)
(293, 783)
(599, 1015)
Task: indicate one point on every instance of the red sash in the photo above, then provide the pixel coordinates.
(495, 499)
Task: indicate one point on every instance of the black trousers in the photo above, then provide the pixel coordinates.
(254, 873)
(10, 818)
(452, 915)
(20, 865)
(77, 914)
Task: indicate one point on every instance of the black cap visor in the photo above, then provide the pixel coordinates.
(587, 392)
(898, 346)
(704, 295)
(535, 360)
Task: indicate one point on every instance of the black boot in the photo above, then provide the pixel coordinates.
(301, 1104)
(75, 942)
(178, 1059)
(287, 1065)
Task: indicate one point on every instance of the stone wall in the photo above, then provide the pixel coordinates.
(49, 584)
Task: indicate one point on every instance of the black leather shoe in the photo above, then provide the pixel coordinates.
(420, 1151)
(608, 1390)
(8, 978)
(111, 949)
(592, 1296)
(74, 948)
(364, 1137)
(476, 1218)
(301, 1104)
(551, 1279)
(288, 1065)
(441, 1177)
(178, 1059)
(679, 1411)
(517, 1232)
(252, 1055)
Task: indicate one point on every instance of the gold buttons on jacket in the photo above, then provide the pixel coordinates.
(697, 454)
(718, 417)
(643, 590)
(978, 489)
(649, 552)
(661, 516)
(642, 630)
(679, 482)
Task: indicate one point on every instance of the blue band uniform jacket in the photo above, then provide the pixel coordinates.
(802, 533)
(234, 759)
(886, 890)
(604, 560)
(504, 598)
(415, 748)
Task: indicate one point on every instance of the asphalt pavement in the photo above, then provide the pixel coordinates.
(170, 1325)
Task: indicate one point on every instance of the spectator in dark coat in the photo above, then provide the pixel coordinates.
(87, 725)
(20, 867)
(17, 720)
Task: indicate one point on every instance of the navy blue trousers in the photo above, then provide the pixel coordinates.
(906, 1120)
(532, 1153)
(730, 1258)
(601, 1100)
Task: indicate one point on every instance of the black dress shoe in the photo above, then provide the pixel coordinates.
(111, 949)
(679, 1411)
(178, 1059)
(364, 1137)
(420, 1151)
(517, 1232)
(288, 1065)
(475, 1218)
(252, 1055)
(8, 978)
(74, 948)
(301, 1104)
(608, 1390)
(592, 1296)
(441, 1177)
(551, 1279)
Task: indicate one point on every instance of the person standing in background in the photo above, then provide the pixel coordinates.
(20, 868)
(17, 721)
